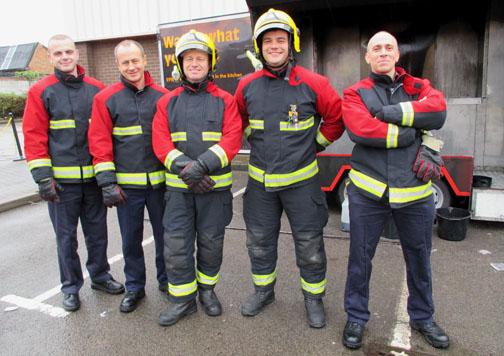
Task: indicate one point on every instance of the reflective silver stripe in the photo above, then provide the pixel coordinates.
(211, 136)
(322, 140)
(256, 173)
(104, 166)
(219, 152)
(315, 288)
(280, 180)
(257, 124)
(247, 131)
(264, 279)
(61, 124)
(183, 289)
(405, 195)
(157, 177)
(42, 162)
(123, 131)
(204, 279)
(223, 180)
(408, 113)
(173, 180)
(170, 157)
(367, 183)
(301, 125)
(132, 178)
(178, 136)
(392, 136)
(88, 171)
(67, 172)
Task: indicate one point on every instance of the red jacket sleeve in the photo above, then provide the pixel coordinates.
(329, 107)
(35, 133)
(365, 129)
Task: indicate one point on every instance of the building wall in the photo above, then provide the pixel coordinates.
(97, 57)
(39, 61)
(13, 86)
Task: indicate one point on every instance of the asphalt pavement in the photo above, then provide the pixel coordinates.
(468, 291)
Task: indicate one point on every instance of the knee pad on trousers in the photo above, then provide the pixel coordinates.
(175, 253)
(210, 249)
(256, 244)
(310, 251)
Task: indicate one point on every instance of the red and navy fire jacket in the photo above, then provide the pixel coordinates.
(120, 135)
(386, 149)
(284, 118)
(197, 121)
(55, 127)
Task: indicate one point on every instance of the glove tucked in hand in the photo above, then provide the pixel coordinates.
(428, 164)
(113, 195)
(48, 190)
(204, 186)
(193, 171)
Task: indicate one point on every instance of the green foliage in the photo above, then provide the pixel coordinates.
(12, 103)
(30, 76)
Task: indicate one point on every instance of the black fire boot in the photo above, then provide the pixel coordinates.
(254, 304)
(209, 301)
(315, 312)
(177, 311)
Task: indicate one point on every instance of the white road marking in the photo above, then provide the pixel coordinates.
(401, 336)
(239, 192)
(38, 304)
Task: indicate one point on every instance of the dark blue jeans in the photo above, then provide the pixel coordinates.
(414, 225)
(131, 223)
(80, 201)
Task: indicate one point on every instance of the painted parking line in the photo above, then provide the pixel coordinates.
(38, 304)
(401, 335)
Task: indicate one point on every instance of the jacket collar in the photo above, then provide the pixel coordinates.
(148, 82)
(384, 79)
(70, 80)
(203, 86)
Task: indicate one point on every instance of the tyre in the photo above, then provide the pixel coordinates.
(442, 195)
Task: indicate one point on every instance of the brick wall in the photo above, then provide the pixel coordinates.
(98, 58)
(39, 61)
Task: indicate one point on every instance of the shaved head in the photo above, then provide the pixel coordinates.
(382, 53)
(381, 36)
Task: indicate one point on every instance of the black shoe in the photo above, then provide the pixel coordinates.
(111, 286)
(315, 312)
(210, 302)
(177, 311)
(257, 301)
(71, 302)
(131, 300)
(432, 333)
(352, 335)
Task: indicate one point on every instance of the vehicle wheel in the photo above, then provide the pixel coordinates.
(442, 195)
(340, 191)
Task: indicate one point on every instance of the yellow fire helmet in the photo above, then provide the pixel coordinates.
(275, 19)
(195, 40)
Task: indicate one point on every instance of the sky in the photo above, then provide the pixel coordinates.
(26, 21)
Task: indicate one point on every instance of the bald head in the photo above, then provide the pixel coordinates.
(382, 53)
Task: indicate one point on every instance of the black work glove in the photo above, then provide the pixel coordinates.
(113, 195)
(193, 171)
(319, 147)
(48, 190)
(428, 164)
(379, 115)
(204, 186)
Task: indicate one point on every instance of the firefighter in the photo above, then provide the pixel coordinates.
(55, 125)
(196, 133)
(393, 163)
(130, 175)
(281, 107)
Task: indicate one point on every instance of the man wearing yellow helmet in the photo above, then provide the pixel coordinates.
(196, 134)
(282, 107)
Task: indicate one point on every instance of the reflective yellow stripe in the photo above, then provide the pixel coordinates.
(301, 125)
(67, 172)
(132, 178)
(367, 183)
(257, 124)
(157, 177)
(104, 166)
(405, 195)
(61, 124)
(256, 173)
(322, 140)
(88, 171)
(314, 288)
(178, 136)
(170, 157)
(281, 180)
(124, 131)
(204, 279)
(247, 131)
(211, 136)
(219, 152)
(264, 279)
(408, 113)
(183, 289)
(392, 135)
(37, 163)
(222, 180)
